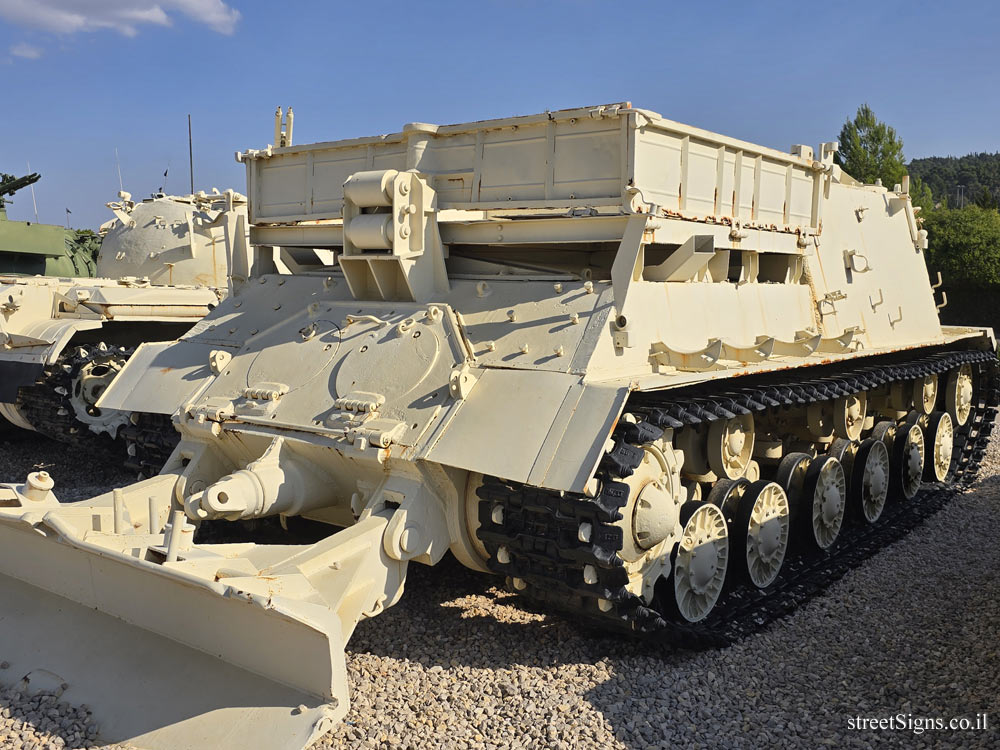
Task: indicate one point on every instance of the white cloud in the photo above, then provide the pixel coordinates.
(123, 16)
(27, 51)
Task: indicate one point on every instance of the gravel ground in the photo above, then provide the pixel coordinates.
(457, 664)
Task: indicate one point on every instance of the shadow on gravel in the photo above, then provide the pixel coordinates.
(88, 474)
(438, 622)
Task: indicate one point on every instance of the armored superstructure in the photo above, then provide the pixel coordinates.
(661, 379)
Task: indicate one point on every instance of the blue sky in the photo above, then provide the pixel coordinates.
(82, 77)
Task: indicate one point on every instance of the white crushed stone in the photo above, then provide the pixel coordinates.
(458, 665)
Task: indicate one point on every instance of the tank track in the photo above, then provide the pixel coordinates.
(539, 528)
(149, 441)
(46, 404)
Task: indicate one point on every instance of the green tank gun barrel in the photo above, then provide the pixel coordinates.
(12, 185)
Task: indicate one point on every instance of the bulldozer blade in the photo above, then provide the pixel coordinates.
(165, 659)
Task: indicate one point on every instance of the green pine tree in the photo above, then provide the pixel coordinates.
(871, 150)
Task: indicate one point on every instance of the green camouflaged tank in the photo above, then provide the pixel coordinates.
(36, 249)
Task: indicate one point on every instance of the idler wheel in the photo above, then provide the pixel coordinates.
(824, 499)
(700, 561)
(906, 460)
(869, 481)
(940, 436)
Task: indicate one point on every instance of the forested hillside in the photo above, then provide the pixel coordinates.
(960, 180)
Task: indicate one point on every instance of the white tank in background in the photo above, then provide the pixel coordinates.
(162, 266)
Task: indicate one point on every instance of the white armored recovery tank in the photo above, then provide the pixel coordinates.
(664, 380)
(162, 266)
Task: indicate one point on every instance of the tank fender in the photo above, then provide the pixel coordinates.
(52, 336)
(161, 375)
(548, 428)
(21, 365)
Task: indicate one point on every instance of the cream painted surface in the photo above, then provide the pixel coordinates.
(173, 240)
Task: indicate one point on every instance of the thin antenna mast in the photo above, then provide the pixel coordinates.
(190, 156)
(33, 203)
(118, 164)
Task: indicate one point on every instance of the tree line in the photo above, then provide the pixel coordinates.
(959, 181)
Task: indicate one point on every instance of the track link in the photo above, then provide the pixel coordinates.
(149, 441)
(544, 552)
